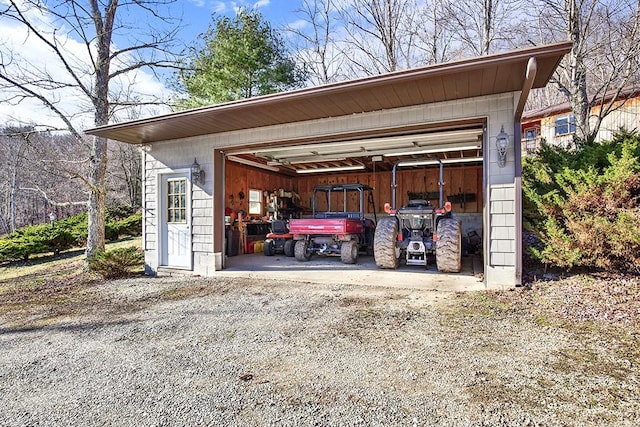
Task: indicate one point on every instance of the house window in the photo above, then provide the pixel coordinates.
(565, 125)
(177, 200)
(530, 139)
(255, 202)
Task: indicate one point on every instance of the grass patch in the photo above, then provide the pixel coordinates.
(184, 292)
(39, 292)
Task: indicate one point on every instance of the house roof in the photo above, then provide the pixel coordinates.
(486, 75)
(565, 107)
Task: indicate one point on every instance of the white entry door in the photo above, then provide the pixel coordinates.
(176, 222)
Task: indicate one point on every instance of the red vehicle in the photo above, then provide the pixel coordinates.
(279, 241)
(335, 232)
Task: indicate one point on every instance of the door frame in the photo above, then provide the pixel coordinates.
(162, 214)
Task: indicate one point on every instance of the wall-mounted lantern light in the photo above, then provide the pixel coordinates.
(502, 142)
(197, 174)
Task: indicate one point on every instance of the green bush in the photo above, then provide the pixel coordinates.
(18, 248)
(129, 226)
(584, 204)
(117, 263)
(77, 226)
(116, 213)
(58, 239)
(63, 235)
(35, 239)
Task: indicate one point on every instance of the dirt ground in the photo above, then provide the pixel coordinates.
(275, 351)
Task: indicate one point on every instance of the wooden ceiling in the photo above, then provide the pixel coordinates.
(456, 145)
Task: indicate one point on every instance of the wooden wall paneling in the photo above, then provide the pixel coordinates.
(480, 189)
(383, 184)
(433, 184)
(241, 178)
(471, 187)
(469, 178)
(455, 183)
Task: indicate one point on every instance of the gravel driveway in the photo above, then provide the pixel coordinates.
(242, 352)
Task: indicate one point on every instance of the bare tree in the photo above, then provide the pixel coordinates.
(604, 55)
(95, 75)
(317, 45)
(378, 34)
(124, 176)
(434, 38)
(12, 149)
(37, 176)
(483, 26)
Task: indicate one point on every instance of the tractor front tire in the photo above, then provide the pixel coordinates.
(349, 252)
(301, 251)
(288, 248)
(268, 247)
(384, 243)
(449, 246)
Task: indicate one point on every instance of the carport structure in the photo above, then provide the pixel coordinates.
(463, 113)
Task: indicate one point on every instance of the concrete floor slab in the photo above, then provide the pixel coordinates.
(365, 272)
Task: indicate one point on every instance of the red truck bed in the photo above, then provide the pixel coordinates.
(325, 226)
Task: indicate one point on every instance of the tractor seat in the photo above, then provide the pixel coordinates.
(279, 227)
(419, 203)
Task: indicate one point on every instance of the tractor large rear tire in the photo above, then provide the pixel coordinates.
(449, 246)
(349, 252)
(301, 251)
(384, 243)
(288, 247)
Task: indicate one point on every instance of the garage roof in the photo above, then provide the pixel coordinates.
(486, 75)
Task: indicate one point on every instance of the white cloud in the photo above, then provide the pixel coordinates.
(261, 3)
(298, 24)
(220, 7)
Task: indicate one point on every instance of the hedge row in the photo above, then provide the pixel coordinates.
(63, 235)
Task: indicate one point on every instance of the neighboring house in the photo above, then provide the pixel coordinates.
(556, 124)
(466, 114)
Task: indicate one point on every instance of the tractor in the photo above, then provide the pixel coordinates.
(335, 232)
(279, 240)
(418, 230)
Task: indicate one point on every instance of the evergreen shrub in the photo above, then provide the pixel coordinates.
(584, 204)
(117, 263)
(64, 234)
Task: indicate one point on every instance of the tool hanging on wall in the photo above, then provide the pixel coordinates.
(462, 198)
(243, 234)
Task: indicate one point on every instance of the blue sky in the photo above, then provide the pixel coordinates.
(196, 17)
(198, 13)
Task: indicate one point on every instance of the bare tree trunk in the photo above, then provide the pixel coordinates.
(12, 199)
(98, 156)
(578, 81)
(13, 203)
(97, 197)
